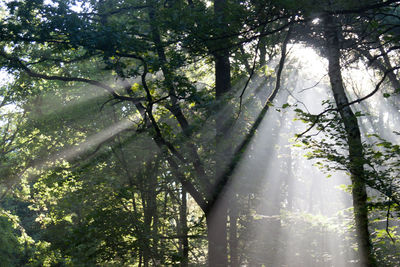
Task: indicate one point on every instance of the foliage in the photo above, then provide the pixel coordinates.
(381, 159)
(111, 117)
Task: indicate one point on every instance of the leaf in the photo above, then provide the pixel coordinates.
(377, 155)
(135, 87)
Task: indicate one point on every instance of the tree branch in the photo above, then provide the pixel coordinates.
(34, 74)
(241, 149)
(378, 85)
(362, 9)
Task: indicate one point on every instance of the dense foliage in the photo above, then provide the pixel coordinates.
(152, 133)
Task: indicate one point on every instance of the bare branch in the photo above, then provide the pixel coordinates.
(378, 85)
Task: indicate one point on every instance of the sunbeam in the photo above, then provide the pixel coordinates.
(199, 133)
(301, 214)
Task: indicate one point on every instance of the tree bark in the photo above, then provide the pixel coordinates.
(184, 230)
(217, 217)
(355, 147)
(150, 216)
(217, 236)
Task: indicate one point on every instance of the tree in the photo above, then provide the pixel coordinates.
(147, 57)
(62, 42)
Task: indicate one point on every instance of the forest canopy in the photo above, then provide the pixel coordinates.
(199, 133)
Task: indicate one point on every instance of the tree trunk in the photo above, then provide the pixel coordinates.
(217, 235)
(354, 144)
(289, 182)
(145, 242)
(184, 230)
(217, 216)
(233, 238)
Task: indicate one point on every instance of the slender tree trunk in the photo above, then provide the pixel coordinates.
(289, 182)
(184, 230)
(140, 259)
(354, 143)
(233, 238)
(146, 232)
(152, 175)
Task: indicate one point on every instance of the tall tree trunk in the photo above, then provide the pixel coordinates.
(217, 217)
(355, 147)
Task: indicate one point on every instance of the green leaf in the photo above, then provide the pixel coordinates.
(135, 87)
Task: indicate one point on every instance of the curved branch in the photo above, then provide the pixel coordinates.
(34, 74)
(166, 146)
(378, 85)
